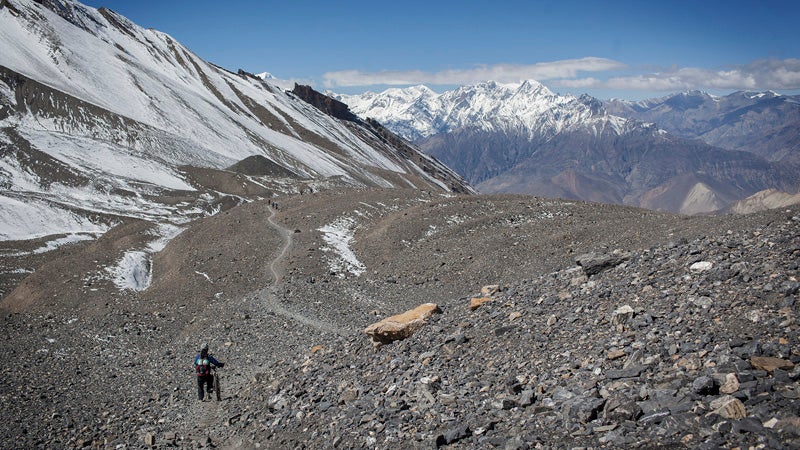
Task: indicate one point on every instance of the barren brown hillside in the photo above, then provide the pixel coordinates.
(94, 365)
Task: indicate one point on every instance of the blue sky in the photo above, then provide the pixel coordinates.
(628, 49)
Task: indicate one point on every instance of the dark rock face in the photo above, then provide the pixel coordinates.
(324, 103)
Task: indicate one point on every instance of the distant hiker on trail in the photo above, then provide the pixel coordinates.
(202, 367)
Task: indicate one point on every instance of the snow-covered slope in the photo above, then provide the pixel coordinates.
(97, 114)
(526, 108)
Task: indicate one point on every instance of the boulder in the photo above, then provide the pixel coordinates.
(477, 302)
(729, 408)
(769, 363)
(593, 263)
(400, 326)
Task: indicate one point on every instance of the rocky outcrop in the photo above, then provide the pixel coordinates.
(324, 103)
(400, 326)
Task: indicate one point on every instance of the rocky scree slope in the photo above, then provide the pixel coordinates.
(96, 365)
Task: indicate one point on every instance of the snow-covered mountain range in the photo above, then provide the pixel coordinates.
(526, 108)
(99, 118)
(523, 138)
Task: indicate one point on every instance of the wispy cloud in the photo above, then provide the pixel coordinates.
(761, 74)
(503, 73)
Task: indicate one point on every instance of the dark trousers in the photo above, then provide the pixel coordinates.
(207, 380)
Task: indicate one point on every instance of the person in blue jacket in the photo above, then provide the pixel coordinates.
(203, 363)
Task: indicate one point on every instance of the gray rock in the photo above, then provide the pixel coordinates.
(747, 425)
(631, 372)
(452, 435)
(620, 407)
(593, 264)
(654, 417)
(526, 397)
(584, 410)
(704, 385)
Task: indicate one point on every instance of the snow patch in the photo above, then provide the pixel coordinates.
(134, 271)
(338, 235)
(58, 242)
(16, 272)
(20, 220)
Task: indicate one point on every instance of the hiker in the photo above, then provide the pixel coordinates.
(202, 367)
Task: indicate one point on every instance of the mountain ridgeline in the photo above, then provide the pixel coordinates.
(102, 120)
(522, 138)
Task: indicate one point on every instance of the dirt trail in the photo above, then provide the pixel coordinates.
(270, 294)
(204, 418)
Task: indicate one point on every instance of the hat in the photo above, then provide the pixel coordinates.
(204, 346)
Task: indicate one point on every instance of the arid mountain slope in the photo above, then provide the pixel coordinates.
(265, 287)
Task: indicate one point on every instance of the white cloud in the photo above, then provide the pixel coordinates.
(503, 73)
(775, 74)
(759, 75)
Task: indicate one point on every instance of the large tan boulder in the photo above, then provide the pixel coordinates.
(770, 363)
(400, 326)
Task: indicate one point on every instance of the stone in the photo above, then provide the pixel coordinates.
(730, 385)
(527, 397)
(789, 425)
(516, 443)
(704, 385)
(615, 354)
(748, 425)
(477, 302)
(149, 439)
(514, 315)
(729, 407)
(769, 363)
(490, 290)
(655, 417)
(592, 264)
(452, 435)
(584, 410)
(632, 372)
(619, 408)
(689, 363)
(499, 331)
(400, 326)
(622, 315)
(701, 266)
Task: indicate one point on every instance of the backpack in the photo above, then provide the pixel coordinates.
(202, 366)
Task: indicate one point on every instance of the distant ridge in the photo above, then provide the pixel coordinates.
(523, 138)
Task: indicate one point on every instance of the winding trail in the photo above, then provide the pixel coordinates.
(207, 418)
(270, 294)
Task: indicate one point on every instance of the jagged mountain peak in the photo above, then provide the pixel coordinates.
(527, 106)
